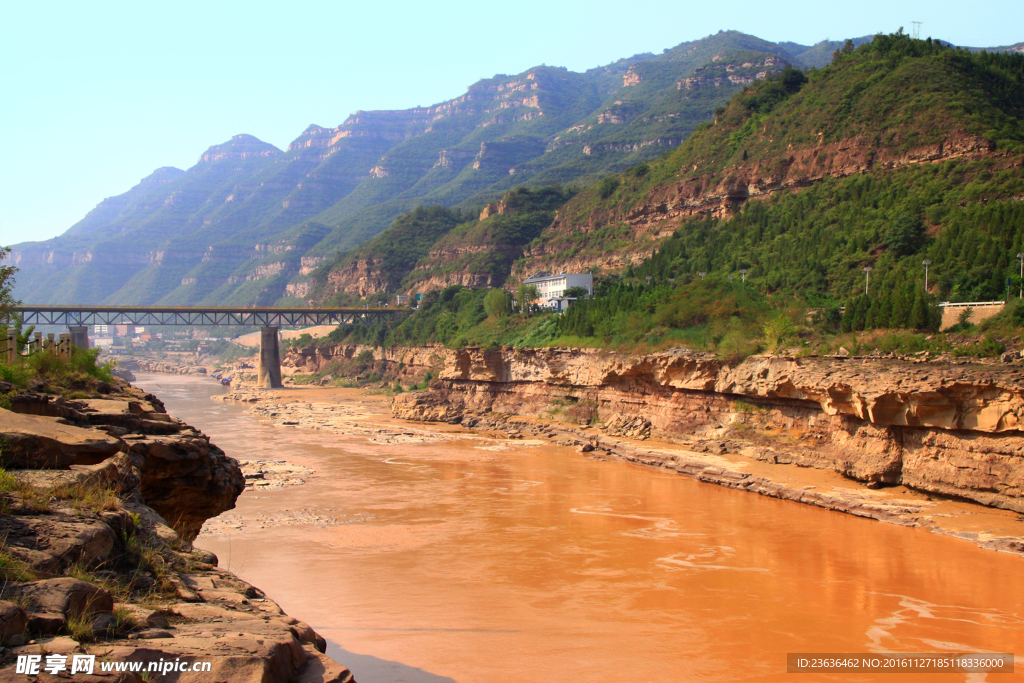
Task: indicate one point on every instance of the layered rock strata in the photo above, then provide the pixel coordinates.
(98, 504)
(180, 474)
(949, 429)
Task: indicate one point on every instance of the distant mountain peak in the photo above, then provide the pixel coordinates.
(239, 147)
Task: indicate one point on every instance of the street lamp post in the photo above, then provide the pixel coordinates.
(743, 272)
(926, 263)
(867, 277)
(702, 274)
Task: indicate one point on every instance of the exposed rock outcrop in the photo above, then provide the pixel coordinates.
(88, 549)
(170, 368)
(716, 193)
(180, 473)
(943, 428)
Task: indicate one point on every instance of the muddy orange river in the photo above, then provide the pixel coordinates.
(455, 560)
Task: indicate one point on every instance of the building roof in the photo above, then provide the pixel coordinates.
(538, 278)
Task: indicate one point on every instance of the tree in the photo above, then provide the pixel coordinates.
(7, 301)
(860, 313)
(496, 303)
(846, 322)
(905, 235)
(526, 295)
(792, 79)
(902, 302)
(918, 313)
(575, 292)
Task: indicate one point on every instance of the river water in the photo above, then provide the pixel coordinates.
(456, 560)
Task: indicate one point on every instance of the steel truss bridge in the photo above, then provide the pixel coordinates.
(86, 316)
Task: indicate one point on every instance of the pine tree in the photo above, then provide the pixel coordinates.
(886, 309)
(860, 313)
(874, 316)
(900, 309)
(846, 323)
(919, 317)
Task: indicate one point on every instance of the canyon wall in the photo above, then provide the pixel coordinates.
(949, 429)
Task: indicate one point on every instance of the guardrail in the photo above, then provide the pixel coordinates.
(11, 350)
(970, 304)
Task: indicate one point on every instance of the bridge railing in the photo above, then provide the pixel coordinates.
(13, 351)
(209, 316)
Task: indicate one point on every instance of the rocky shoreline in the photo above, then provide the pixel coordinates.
(935, 431)
(101, 498)
(768, 463)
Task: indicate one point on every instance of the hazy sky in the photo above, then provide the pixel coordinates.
(98, 95)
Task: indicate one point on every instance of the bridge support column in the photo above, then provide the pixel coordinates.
(268, 374)
(79, 336)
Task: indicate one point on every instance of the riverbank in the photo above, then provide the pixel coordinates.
(723, 462)
(462, 554)
(101, 499)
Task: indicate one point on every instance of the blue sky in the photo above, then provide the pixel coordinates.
(98, 95)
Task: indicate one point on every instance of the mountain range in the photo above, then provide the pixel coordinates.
(252, 224)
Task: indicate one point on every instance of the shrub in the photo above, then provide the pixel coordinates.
(606, 188)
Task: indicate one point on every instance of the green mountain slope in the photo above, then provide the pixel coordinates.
(901, 154)
(894, 103)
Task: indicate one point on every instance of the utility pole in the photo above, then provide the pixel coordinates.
(926, 263)
(867, 277)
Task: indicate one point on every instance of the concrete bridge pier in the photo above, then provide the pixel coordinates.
(268, 374)
(79, 336)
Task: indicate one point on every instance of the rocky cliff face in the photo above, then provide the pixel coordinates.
(407, 365)
(101, 498)
(949, 429)
(179, 473)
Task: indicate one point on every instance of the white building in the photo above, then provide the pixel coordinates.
(551, 288)
(100, 330)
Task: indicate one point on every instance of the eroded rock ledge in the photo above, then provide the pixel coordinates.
(98, 505)
(950, 429)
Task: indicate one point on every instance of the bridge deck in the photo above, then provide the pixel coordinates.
(252, 316)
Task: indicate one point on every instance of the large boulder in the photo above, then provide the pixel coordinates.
(12, 620)
(187, 480)
(53, 601)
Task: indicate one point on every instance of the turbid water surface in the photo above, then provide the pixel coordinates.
(470, 560)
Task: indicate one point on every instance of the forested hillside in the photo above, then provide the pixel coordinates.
(800, 179)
